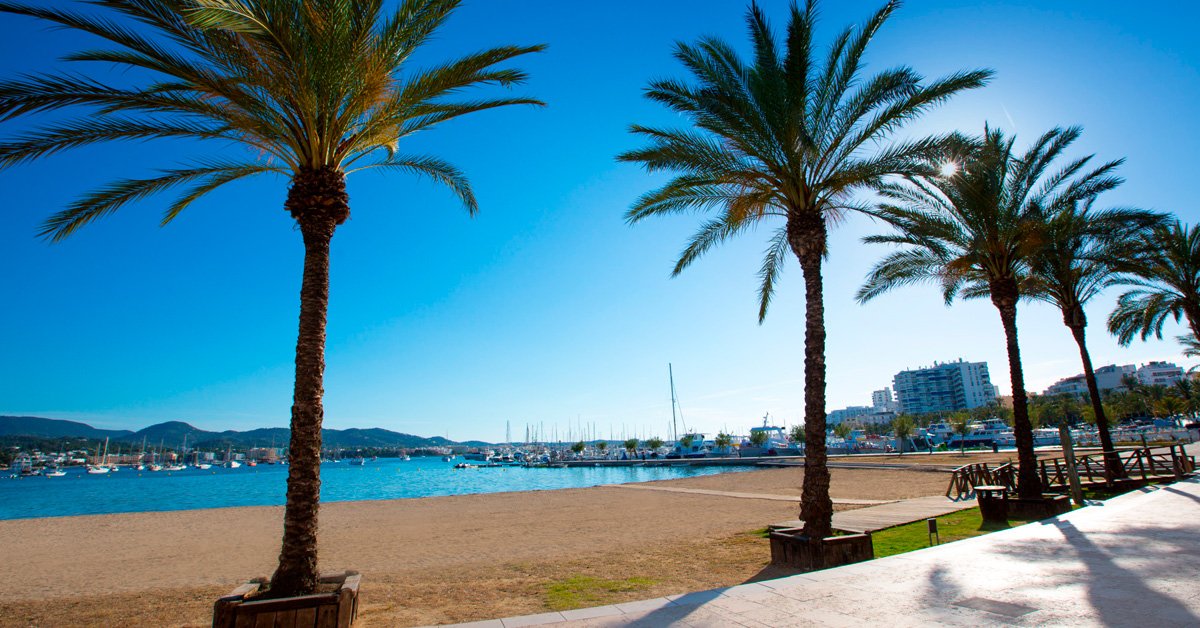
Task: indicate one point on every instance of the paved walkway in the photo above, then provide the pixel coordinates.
(767, 496)
(1133, 561)
(890, 514)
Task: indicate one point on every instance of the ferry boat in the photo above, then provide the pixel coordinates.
(983, 434)
(694, 449)
(1042, 437)
(777, 441)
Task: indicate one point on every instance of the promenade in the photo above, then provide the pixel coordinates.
(1132, 561)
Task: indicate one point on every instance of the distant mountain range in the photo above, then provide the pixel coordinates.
(172, 434)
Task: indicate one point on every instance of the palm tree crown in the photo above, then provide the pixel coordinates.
(785, 140)
(973, 232)
(1079, 254)
(310, 90)
(308, 85)
(1167, 276)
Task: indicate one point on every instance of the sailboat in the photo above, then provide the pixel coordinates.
(177, 466)
(102, 467)
(694, 447)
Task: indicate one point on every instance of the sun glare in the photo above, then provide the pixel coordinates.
(949, 169)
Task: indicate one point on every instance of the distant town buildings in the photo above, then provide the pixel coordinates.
(881, 410)
(1159, 374)
(882, 401)
(944, 387)
(1111, 376)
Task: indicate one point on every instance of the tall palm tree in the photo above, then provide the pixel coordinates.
(972, 233)
(785, 141)
(309, 90)
(1081, 251)
(1167, 276)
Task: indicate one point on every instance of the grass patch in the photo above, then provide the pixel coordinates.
(963, 524)
(583, 591)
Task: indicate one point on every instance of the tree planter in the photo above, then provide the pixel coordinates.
(789, 549)
(1050, 505)
(323, 610)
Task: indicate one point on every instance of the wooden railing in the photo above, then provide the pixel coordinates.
(1144, 464)
(967, 477)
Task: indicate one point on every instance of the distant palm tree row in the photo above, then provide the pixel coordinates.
(316, 90)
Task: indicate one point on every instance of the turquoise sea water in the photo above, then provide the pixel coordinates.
(79, 493)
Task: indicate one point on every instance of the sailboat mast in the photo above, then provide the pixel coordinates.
(674, 427)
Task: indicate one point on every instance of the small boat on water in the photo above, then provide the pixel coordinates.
(54, 473)
(463, 465)
(203, 465)
(357, 461)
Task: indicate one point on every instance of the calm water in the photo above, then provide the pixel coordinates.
(79, 493)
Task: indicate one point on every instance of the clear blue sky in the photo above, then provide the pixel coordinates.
(547, 308)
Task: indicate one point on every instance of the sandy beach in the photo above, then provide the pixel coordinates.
(165, 568)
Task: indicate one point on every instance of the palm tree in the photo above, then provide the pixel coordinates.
(1169, 406)
(972, 232)
(723, 441)
(786, 140)
(903, 427)
(1167, 276)
(311, 91)
(960, 423)
(630, 446)
(1081, 252)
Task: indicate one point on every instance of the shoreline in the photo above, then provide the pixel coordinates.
(87, 555)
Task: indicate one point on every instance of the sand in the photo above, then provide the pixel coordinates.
(130, 559)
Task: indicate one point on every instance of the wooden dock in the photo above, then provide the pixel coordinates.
(888, 515)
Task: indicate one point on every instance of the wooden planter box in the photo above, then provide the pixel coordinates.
(325, 610)
(1050, 505)
(789, 549)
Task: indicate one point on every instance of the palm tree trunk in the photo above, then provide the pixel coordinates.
(1077, 321)
(1029, 486)
(318, 202)
(806, 235)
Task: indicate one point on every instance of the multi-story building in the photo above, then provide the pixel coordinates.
(883, 401)
(1107, 378)
(837, 416)
(1112, 376)
(943, 387)
(1159, 374)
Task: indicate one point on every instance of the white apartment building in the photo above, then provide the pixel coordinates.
(1159, 374)
(882, 401)
(947, 386)
(852, 412)
(1109, 377)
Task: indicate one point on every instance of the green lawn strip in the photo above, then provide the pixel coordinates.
(584, 591)
(955, 526)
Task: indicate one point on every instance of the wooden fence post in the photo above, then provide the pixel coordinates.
(1064, 435)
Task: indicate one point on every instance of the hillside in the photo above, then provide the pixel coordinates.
(172, 434)
(53, 428)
